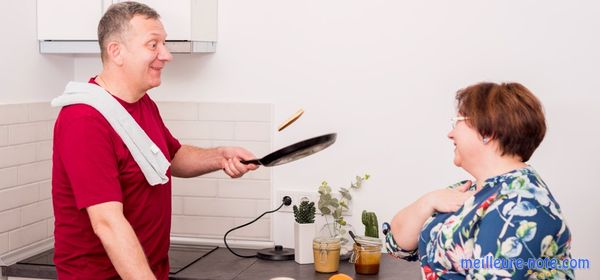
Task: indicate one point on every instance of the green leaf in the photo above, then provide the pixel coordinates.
(334, 203)
(343, 204)
(325, 210)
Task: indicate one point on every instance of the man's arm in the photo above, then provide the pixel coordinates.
(119, 240)
(192, 161)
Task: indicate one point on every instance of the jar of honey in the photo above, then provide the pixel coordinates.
(366, 255)
(326, 252)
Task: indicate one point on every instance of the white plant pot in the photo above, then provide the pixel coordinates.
(303, 240)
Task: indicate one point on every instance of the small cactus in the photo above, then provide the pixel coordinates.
(305, 214)
(369, 219)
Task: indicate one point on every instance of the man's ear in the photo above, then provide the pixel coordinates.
(114, 52)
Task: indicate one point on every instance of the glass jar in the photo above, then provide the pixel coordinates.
(366, 256)
(326, 252)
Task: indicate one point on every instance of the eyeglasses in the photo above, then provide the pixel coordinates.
(455, 120)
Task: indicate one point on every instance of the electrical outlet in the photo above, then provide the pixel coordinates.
(297, 197)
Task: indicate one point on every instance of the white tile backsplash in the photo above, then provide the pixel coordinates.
(34, 172)
(177, 205)
(201, 226)
(27, 235)
(50, 227)
(180, 111)
(29, 132)
(262, 206)
(45, 189)
(258, 148)
(202, 129)
(17, 155)
(36, 212)
(205, 143)
(10, 220)
(42, 112)
(9, 177)
(43, 150)
(234, 112)
(3, 136)
(3, 243)
(195, 187)
(252, 131)
(260, 230)
(25, 169)
(245, 189)
(219, 207)
(262, 173)
(13, 113)
(18, 196)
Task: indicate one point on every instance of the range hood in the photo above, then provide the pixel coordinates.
(70, 26)
(92, 47)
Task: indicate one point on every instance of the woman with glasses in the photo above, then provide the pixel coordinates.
(506, 221)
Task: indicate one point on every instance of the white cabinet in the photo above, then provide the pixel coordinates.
(70, 26)
(68, 19)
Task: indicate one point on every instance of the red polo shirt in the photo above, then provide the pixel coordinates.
(92, 165)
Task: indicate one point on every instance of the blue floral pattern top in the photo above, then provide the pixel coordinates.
(514, 216)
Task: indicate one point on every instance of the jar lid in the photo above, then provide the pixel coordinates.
(367, 241)
(326, 242)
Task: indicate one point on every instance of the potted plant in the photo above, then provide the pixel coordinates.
(304, 232)
(332, 209)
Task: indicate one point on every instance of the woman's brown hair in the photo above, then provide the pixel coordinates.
(508, 113)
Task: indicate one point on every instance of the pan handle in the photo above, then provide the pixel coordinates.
(251, 161)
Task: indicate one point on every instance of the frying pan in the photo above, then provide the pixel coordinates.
(295, 151)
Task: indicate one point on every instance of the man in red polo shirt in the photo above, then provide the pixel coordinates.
(109, 221)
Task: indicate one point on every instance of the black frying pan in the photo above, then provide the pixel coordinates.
(295, 151)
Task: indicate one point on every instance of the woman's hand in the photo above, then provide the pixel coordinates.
(448, 200)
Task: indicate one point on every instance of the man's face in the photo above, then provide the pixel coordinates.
(144, 52)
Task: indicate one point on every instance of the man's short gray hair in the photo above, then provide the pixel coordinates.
(115, 21)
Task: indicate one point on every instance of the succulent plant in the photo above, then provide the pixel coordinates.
(305, 214)
(369, 219)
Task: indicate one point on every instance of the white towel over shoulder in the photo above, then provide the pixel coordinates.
(148, 156)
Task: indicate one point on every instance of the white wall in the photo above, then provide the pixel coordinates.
(383, 75)
(26, 75)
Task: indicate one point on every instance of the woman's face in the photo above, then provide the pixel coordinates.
(468, 144)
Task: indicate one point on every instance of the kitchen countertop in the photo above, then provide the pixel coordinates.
(222, 265)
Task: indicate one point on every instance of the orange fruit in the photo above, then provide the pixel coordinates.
(340, 276)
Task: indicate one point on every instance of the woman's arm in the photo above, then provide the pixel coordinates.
(406, 225)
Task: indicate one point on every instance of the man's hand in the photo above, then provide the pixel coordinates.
(190, 161)
(231, 161)
(449, 200)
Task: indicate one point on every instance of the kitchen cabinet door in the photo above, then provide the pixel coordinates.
(68, 19)
(176, 17)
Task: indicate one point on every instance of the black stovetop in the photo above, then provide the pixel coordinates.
(180, 256)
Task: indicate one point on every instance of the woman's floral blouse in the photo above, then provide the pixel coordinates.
(512, 217)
